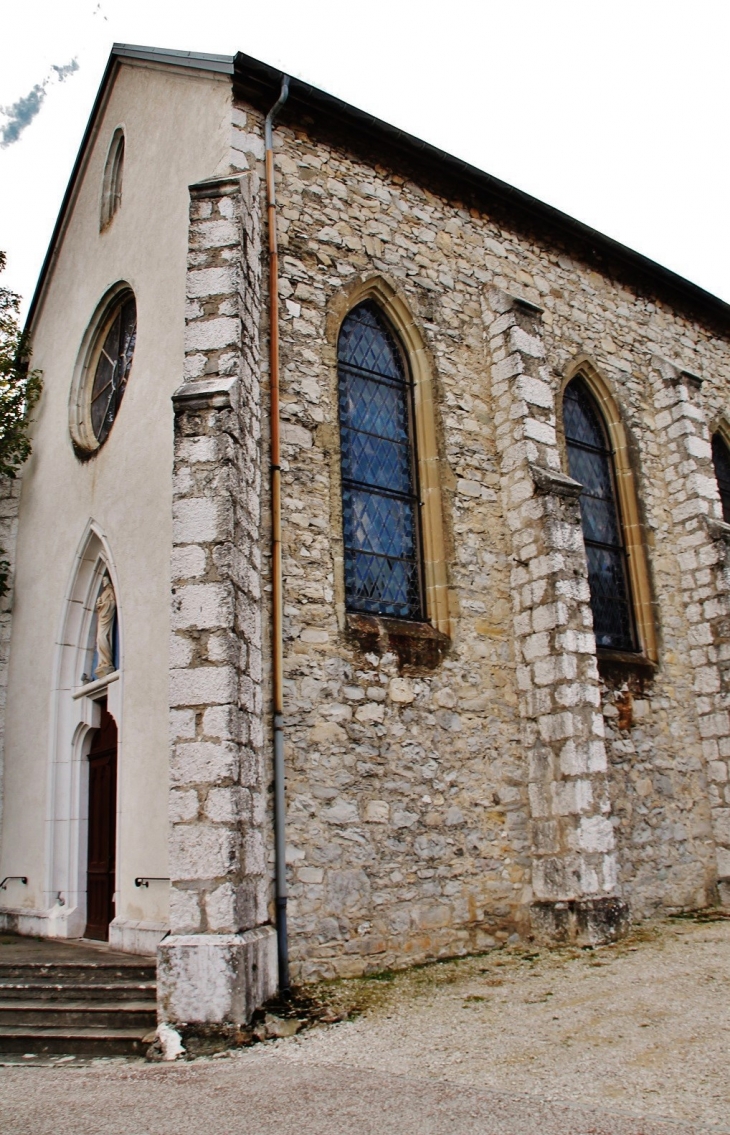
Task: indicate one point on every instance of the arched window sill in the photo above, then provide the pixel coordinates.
(417, 646)
(617, 665)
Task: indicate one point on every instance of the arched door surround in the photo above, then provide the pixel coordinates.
(86, 697)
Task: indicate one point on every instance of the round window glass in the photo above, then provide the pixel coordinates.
(113, 364)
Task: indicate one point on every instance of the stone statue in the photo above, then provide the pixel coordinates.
(106, 608)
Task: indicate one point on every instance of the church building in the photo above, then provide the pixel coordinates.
(370, 593)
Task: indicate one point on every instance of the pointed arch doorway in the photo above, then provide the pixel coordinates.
(101, 854)
(86, 750)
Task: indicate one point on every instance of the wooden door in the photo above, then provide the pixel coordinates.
(100, 877)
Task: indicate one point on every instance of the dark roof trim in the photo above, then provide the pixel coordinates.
(260, 83)
(222, 64)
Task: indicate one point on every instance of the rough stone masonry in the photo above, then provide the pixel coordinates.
(509, 780)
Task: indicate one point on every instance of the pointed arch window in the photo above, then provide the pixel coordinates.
(380, 501)
(591, 462)
(721, 461)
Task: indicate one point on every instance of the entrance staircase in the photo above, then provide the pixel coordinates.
(75, 999)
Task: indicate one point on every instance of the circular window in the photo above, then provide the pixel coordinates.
(103, 371)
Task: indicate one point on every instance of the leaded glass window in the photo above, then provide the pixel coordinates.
(379, 482)
(112, 368)
(590, 461)
(721, 461)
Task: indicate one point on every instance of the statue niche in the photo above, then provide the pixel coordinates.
(106, 609)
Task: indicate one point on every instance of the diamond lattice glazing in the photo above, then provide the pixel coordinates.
(379, 501)
(721, 461)
(591, 462)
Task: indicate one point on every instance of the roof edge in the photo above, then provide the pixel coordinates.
(221, 64)
(260, 80)
(198, 61)
(261, 83)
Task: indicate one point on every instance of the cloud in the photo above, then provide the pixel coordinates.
(67, 69)
(22, 112)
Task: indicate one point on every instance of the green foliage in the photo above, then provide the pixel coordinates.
(20, 389)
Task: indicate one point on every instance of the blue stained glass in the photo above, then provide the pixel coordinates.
(379, 501)
(378, 523)
(375, 461)
(590, 461)
(721, 461)
(365, 343)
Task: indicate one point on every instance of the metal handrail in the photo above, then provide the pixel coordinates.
(143, 881)
(18, 878)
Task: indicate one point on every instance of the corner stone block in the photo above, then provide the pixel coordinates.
(584, 922)
(215, 979)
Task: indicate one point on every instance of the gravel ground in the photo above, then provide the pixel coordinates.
(626, 1040)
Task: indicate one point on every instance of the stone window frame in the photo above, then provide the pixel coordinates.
(113, 178)
(627, 500)
(379, 291)
(84, 440)
(720, 426)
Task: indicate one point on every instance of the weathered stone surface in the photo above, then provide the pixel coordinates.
(444, 788)
(215, 979)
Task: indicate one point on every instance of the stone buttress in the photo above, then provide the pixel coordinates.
(703, 546)
(219, 962)
(573, 857)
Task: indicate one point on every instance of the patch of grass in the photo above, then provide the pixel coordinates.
(709, 914)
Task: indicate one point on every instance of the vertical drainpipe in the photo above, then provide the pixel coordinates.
(277, 647)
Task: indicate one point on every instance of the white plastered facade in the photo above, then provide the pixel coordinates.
(112, 511)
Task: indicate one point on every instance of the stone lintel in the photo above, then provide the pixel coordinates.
(555, 482)
(718, 530)
(691, 379)
(527, 306)
(205, 393)
(215, 979)
(676, 374)
(585, 922)
(215, 187)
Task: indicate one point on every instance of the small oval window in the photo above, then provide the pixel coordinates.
(111, 193)
(103, 372)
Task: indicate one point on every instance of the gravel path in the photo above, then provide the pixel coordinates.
(625, 1040)
(642, 1027)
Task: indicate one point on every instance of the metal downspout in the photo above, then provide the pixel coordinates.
(277, 648)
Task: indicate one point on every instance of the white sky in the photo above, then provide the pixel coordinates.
(615, 112)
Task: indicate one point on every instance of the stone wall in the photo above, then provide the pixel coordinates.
(415, 813)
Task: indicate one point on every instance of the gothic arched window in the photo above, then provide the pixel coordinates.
(721, 461)
(590, 461)
(380, 500)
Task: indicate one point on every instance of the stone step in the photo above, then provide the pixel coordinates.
(74, 1041)
(79, 1014)
(76, 991)
(81, 973)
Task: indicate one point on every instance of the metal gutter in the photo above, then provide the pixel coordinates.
(277, 587)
